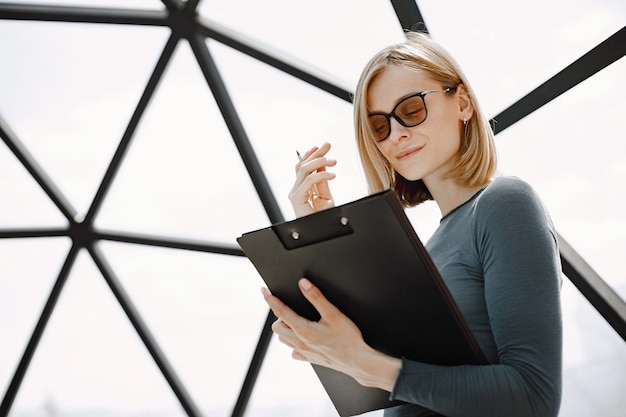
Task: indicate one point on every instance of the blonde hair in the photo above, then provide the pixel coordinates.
(476, 160)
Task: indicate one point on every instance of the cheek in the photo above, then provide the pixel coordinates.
(386, 152)
(448, 139)
(454, 141)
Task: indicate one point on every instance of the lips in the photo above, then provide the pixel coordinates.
(409, 152)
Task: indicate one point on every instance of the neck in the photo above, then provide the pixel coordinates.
(449, 195)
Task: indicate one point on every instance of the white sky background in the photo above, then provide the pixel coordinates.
(69, 89)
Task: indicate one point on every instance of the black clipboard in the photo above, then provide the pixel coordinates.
(367, 260)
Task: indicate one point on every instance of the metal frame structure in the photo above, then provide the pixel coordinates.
(185, 23)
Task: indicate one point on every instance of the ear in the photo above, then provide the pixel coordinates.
(466, 108)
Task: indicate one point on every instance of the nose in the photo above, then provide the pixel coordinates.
(397, 130)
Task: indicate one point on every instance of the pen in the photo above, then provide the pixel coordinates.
(302, 160)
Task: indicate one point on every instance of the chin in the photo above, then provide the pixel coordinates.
(411, 176)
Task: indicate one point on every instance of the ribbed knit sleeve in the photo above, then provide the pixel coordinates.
(499, 256)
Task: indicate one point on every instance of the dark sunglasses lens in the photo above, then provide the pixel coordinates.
(380, 126)
(409, 113)
(412, 111)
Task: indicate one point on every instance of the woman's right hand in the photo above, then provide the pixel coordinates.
(311, 193)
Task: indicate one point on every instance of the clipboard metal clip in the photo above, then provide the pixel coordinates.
(326, 225)
(295, 235)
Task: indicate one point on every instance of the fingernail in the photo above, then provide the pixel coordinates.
(265, 291)
(305, 283)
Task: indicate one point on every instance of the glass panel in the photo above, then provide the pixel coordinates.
(206, 312)
(24, 204)
(24, 289)
(337, 37)
(183, 175)
(283, 114)
(68, 91)
(507, 50)
(90, 360)
(594, 361)
(425, 219)
(287, 387)
(573, 151)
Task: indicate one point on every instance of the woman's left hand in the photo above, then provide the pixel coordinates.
(334, 341)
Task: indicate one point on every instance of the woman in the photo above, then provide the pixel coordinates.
(421, 132)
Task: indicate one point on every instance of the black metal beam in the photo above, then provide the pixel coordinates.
(173, 5)
(191, 5)
(600, 57)
(46, 13)
(263, 189)
(31, 347)
(35, 170)
(28, 233)
(144, 333)
(237, 131)
(171, 243)
(409, 15)
(272, 58)
(123, 147)
(239, 410)
(601, 296)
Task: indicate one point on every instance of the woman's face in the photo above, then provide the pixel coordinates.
(427, 150)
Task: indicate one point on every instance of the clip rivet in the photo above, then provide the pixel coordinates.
(295, 235)
(344, 220)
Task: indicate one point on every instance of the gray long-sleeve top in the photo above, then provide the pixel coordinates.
(498, 255)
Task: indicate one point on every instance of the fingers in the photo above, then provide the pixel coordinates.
(286, 334)
(281, 310)
(310, 192)
(324, 307)
(292, 319)
(314, 160)
(327, 342)
(305, 181)
(317, 152)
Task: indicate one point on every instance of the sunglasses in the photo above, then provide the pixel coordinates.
(409, 113)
